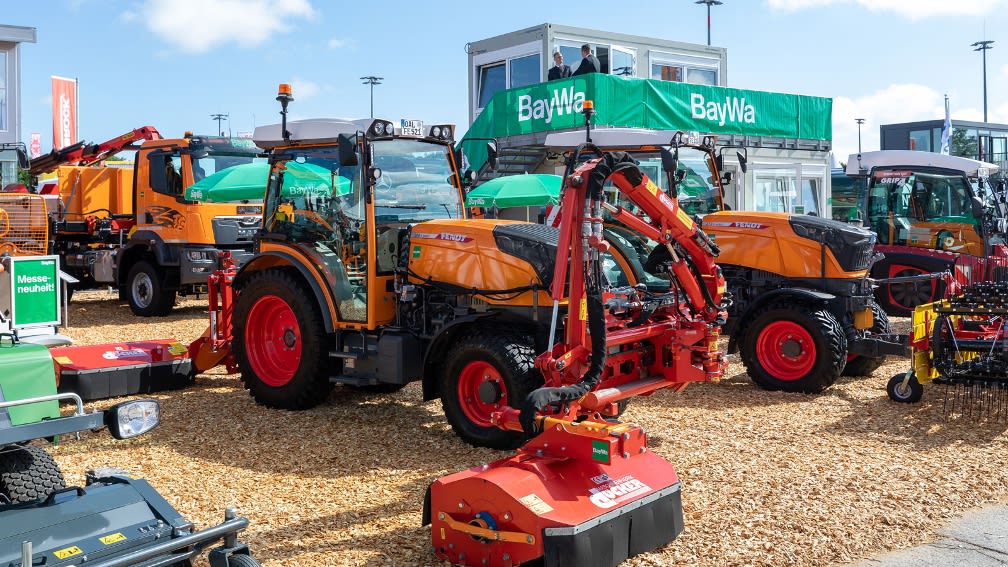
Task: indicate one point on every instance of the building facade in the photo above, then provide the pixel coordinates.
(984, 141)
(522, 58)
(11, 38)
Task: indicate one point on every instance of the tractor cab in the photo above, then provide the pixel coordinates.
(343, 193)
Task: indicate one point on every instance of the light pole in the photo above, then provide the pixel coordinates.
(984, 46)
(709, 4)
(859, 121)
(218, 118)
(372, 80)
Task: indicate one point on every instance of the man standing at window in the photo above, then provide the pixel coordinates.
(589, 63)
(559, 70)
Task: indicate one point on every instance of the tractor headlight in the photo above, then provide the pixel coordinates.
(379, 128)
(436, 131)
(132, 418)
(389, 129)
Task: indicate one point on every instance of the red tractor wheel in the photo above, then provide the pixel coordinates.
(280, 343)
(273, 340)
(794, 348)
(486, 372)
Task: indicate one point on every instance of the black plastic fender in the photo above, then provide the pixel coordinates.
(267, 260)
(801, 294)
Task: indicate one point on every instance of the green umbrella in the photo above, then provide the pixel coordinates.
(530, 190)
(247, 182)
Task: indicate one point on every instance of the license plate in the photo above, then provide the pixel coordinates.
(412, 127)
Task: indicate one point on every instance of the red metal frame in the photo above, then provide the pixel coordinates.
(90, 154)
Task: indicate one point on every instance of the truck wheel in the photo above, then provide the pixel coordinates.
(865, 365)
(280, 343)
(911, 393)
(787, 349)
(483, 373)
(242, 560)
(148, 296)
(28, 474)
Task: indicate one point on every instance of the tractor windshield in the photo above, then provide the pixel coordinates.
(697, 193)
(415, 182)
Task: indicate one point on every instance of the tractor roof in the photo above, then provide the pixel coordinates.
(314, 131)
(611, 138)
(912, 158)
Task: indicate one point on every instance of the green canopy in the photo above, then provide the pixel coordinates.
(247, 182)
(530, 190)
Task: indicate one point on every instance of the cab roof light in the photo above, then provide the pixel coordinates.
(442, 132)
(284, 91)
(380, 129)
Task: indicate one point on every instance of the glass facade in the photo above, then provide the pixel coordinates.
(3, 91)
(513, 72)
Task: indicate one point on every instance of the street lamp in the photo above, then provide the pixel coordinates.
(859, 121)
(984, 46)
(218, 118)
(372, 80)
(709, 4)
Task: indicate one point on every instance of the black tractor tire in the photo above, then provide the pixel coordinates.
(484, 371)
(815, 366)
(909, 394)
(866, 365)
(28, 474)
(280, 342)
(242, 560)
(146, 291)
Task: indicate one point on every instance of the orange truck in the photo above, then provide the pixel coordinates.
(135, 229)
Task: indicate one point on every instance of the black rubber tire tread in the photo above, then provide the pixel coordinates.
(28, 474)
(242, 560)
(830, 343)
(914, 393)
(310, 384)
(513, 355)
(866, 365)
(164, 298)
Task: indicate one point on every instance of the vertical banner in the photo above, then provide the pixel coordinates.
(64, 99)
(35, 147)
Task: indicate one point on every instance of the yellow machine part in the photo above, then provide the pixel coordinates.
(24, 225)
(766, 241)
(95, 191)
(464, 253)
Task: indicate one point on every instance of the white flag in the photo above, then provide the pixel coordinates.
(947, 130)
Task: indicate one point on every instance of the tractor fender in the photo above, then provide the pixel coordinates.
(268, 260)
(437, 350)
(142, 243)
(798, 294)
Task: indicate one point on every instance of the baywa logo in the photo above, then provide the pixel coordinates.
(562, 101)
(166, 217)
(734, 109)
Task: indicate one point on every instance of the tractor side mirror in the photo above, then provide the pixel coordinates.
(669, 160)
(977, 207)
(22, 158)
(347, 150)
(743, 159)
(491, 150)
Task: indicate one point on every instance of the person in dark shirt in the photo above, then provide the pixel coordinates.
(559, 70)
(589, 63)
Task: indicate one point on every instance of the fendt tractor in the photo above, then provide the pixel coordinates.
(134, 228)
(802, 311)
(929, 210)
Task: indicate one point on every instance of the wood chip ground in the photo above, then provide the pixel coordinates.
(768, 478)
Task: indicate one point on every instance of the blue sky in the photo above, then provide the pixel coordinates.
(173, 63)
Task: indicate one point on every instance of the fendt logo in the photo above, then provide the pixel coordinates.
(563, 101)
(734, 109)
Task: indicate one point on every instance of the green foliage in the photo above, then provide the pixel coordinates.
(962, 145)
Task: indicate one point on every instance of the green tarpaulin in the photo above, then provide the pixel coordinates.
(516, 191)
(647, 103)
(247, 182)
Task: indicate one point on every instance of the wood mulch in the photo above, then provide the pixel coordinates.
(768, 478)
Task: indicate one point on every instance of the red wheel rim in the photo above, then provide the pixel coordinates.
(786, 350)
(273, 341)
(481, 392)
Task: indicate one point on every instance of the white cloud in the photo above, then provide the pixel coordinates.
(913, 9)
(304, 89)
(896, 104)
(199, 25)
(339, 43)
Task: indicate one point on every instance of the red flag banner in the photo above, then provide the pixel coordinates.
(64, 99)
(35, 148)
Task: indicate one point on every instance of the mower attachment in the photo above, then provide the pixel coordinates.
(579, 494)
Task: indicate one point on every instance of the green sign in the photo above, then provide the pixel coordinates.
(600, 451)
(651, 104)
(35, 283)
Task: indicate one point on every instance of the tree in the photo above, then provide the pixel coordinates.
(960, 144)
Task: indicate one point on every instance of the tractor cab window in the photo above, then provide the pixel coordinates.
(931, 209)
(697, 191)
(415, 183)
